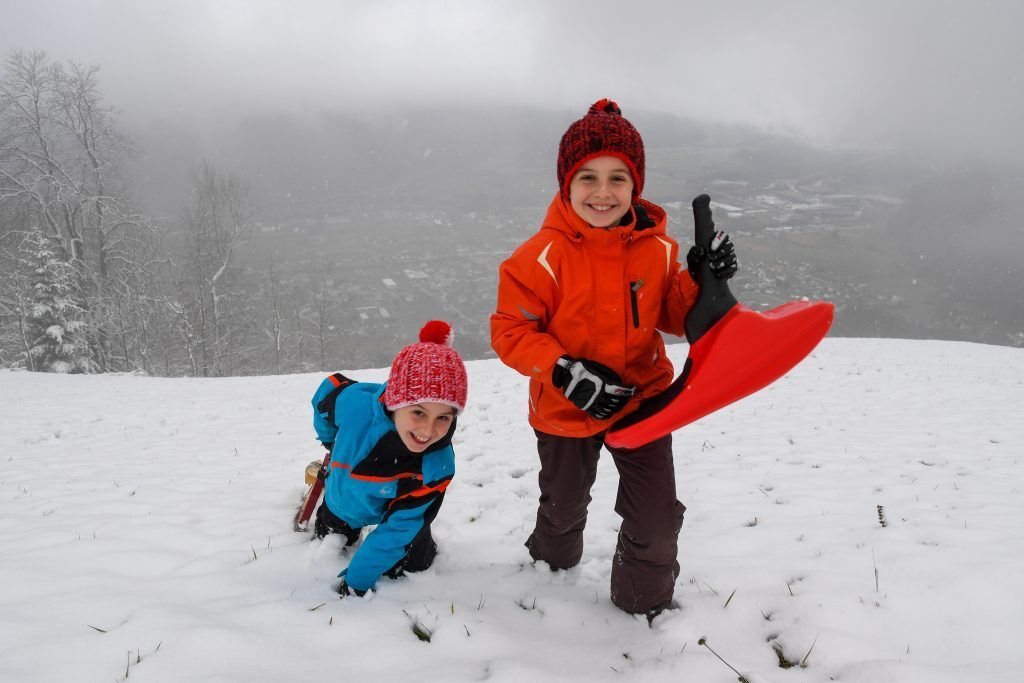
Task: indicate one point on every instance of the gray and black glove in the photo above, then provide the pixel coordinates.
(591, 386)
(343, 590)
(720, 255)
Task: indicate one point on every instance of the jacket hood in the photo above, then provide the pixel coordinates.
(562, 217)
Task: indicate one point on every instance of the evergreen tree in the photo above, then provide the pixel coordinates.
(54, 321)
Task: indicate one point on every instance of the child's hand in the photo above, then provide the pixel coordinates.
(591, 386)
(343, 590)
(720, 255)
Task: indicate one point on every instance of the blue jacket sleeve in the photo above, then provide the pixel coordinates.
(324, 401)
(390, 541)
(384, 547)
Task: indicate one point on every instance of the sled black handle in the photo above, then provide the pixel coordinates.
(714, 299)
(703, 223)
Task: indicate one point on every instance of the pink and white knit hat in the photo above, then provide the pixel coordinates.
(430, 371)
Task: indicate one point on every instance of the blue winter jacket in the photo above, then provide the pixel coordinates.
(373, 478)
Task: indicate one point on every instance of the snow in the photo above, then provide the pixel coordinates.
(146, 533)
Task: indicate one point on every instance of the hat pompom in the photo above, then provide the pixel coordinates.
(605, 106)
(437, 332)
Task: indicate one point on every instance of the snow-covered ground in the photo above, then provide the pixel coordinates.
(145, 533)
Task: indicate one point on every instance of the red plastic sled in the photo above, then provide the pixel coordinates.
(734, 352)
(316, 472)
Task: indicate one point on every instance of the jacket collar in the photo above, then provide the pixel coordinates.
(562, 217)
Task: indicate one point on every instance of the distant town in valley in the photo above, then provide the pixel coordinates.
(387, 270)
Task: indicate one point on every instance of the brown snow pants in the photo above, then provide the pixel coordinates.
(645, 566)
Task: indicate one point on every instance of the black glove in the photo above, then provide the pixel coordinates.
(344, 590)
(591, 386)
(329, 445)
(720, 255)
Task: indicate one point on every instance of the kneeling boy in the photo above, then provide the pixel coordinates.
(391, 457)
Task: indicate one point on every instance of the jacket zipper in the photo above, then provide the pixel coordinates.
(633, 287)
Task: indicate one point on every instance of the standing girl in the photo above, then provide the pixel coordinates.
(580, 306)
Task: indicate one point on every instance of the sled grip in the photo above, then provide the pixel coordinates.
(714, 299)
(703, 224)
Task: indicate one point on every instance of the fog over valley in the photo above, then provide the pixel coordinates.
(286, 188)
(410, 216)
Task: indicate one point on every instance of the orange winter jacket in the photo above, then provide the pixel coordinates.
(594, 293)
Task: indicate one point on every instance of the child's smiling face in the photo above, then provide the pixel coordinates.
(601, 191)
(423, 424)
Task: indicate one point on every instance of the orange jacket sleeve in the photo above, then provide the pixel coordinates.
(518, 326)
(681, 295)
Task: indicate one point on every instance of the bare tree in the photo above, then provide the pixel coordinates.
(275, 325)
(63, 167)
(318, 313)
(15, 303)
(322, 326)
(214, 223)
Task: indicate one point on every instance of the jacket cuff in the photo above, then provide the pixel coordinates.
(548, 363)
(688, 287)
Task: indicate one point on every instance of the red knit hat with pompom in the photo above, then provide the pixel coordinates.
(430, 371)
(602, 132)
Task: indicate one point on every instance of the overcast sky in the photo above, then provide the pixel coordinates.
(934, 72)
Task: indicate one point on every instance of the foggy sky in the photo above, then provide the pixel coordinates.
(931, 74)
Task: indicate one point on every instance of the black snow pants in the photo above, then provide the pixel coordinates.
(645, 566)
(419, 556)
